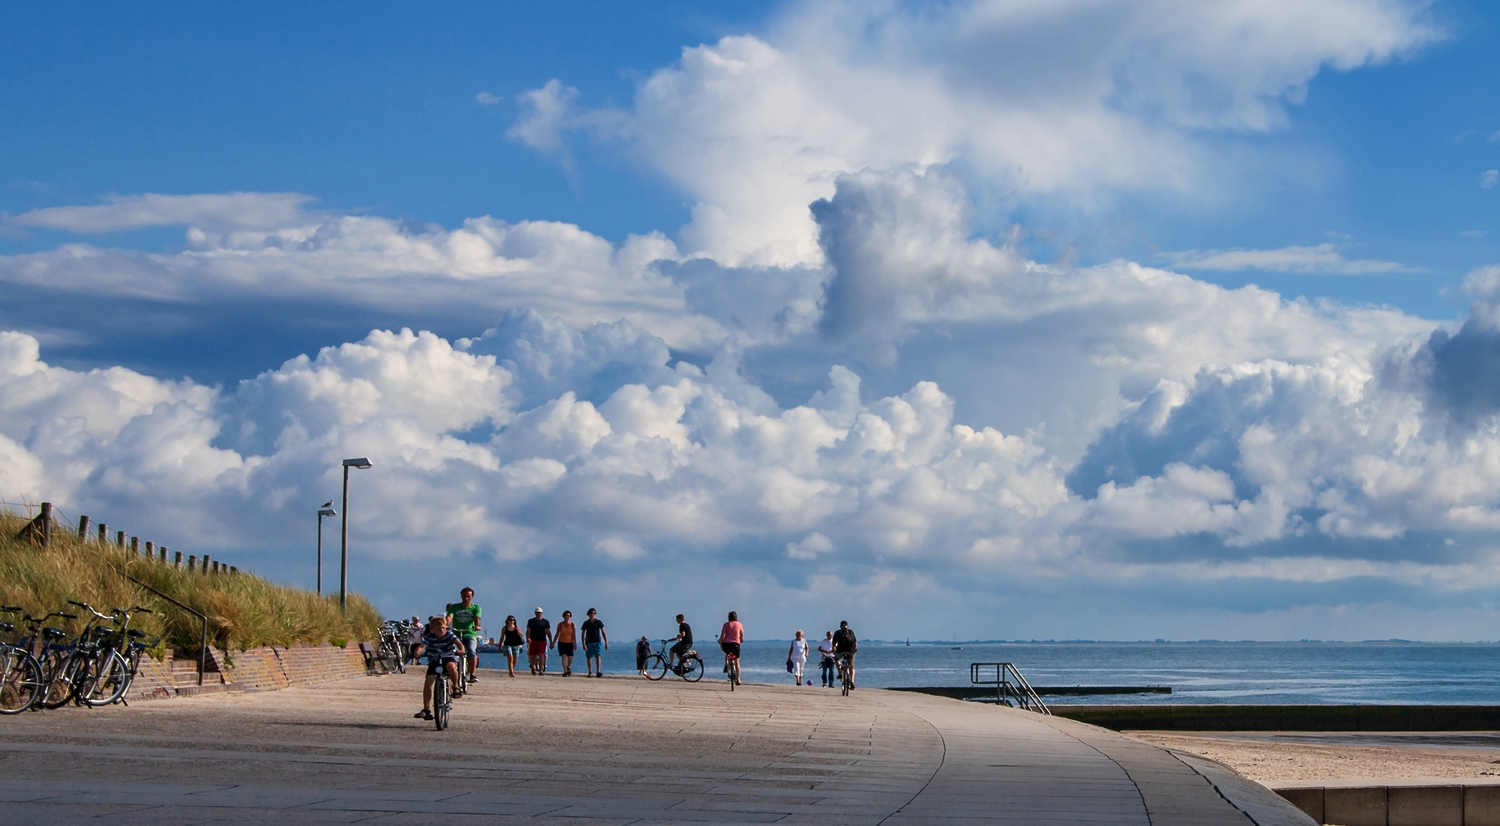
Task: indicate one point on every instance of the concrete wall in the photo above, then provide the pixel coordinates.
(1434, 805)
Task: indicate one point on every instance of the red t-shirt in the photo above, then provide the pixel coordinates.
(732, 632)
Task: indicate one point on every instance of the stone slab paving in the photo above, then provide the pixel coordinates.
(595, 752)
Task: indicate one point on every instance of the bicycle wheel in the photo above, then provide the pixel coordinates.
(848, 679)
(692, 669)
(58, 678)
(401, 659)
(734, 673)
(106, 680)
(20, 682)
(440, 703)
(656, 667)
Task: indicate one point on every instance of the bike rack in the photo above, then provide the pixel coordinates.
(1009, 684)
(203, 642)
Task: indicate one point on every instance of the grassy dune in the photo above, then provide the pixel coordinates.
(244, 611)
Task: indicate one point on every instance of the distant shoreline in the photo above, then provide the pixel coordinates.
(951, 643)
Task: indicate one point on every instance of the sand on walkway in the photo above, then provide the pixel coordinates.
(1277, 758)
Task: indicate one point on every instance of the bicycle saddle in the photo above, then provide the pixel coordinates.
(7, 627)
(54, 633)
(137, 634)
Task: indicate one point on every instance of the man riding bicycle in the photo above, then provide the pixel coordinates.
(684, 640)
(441, 647)
(464, 617)
(844, 647)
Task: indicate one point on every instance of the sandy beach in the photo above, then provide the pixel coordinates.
(1274, 758)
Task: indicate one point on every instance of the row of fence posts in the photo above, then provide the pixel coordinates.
(39, 530)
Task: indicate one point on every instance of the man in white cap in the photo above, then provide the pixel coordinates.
(538, 639)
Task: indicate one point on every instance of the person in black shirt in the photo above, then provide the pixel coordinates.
(538, 639)
(642, 653)
(845, 644)
(684, 640)
(595, 642)
(511, 642)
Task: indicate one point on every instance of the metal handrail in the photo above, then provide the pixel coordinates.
(203, 643)
(1008, 683)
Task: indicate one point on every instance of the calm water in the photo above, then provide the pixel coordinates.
(1420, 673)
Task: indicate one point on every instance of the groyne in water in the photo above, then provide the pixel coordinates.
(1178, 717)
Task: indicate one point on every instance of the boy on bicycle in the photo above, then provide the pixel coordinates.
(441, 647)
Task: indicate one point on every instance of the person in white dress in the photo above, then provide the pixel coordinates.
(797, 657)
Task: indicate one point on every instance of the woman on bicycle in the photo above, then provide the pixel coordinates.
(796, 658)
(730, 637)
(511, 642)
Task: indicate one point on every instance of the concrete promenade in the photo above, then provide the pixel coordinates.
(615, 751)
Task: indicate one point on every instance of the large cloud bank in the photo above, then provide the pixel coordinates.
(830, 378)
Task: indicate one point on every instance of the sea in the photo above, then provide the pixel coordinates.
(1392, 672)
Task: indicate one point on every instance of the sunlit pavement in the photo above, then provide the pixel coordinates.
(617, 750)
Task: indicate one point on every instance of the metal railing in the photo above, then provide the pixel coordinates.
(1010, 687)
(203, 640)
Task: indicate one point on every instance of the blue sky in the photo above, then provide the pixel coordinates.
(594, 220)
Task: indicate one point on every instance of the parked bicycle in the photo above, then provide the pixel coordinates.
(395, 642)
(117, 659)
(660, 662)
(20, 673)
(98, 666)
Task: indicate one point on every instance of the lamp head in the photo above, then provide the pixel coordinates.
(361, 463)
(327, 512)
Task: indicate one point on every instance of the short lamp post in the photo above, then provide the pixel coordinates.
(362, 464)
(326, 510)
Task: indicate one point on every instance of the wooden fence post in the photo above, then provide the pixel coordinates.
(192, 561)
(135, 544)
(83, 529)
(120, 538)
(150, 550)
(163, 550)
(205, 563)
(177, 560)
(39, 530)
(103, 534)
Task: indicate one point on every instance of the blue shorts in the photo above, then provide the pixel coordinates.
(471, 644)
(512, 651)
(592, 650)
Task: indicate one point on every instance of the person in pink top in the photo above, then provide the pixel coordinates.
(731, 635)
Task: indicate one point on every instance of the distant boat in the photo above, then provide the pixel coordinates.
(958, 648)
(908, 642)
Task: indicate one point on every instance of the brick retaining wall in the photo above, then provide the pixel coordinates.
(259, 669)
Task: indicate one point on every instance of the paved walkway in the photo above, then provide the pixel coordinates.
(592, 752)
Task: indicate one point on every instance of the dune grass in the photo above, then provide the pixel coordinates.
(244, 611)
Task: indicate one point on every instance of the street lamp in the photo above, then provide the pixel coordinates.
(326, 510)
(362, 464)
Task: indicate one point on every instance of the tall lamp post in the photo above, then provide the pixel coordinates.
(326, 510)
(362, 464)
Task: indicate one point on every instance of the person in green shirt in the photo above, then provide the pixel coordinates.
(464, 617)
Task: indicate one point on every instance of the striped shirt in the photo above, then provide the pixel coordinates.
(441, 647)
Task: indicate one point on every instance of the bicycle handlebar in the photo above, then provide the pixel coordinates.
(7, 609)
